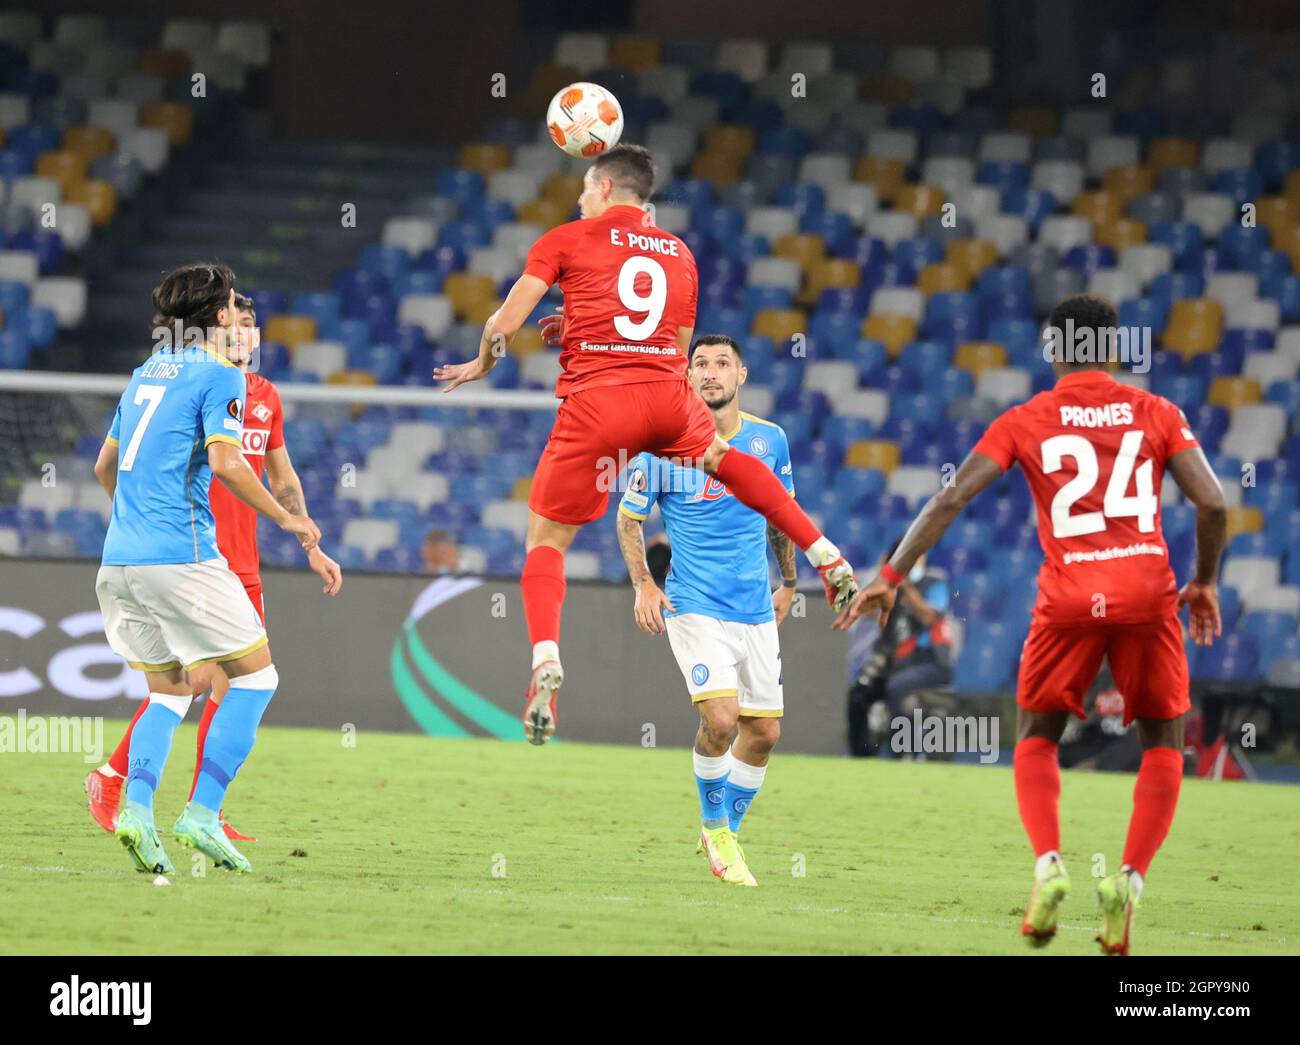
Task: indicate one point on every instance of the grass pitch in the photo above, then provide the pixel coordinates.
(408, 845)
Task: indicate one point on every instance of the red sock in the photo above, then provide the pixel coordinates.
(1038, 792)
(1155, 797)
(120, 760)
(205, 720)
(756, 486)
(543, 584)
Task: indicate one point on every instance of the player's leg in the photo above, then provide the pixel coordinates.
(762, 703)
(104, 785)
(696, 441)
(135, 634)
(1150, 669)
(707, 660)
(1056, 668)
(570, 488)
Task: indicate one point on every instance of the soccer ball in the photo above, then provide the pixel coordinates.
(584, 120)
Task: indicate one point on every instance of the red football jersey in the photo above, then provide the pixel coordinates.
(1094, 454)
(236, 521)
(627, 287)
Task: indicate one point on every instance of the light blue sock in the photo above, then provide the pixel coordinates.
(711, 780)
(743, 783)
(151, 743)
(232, 733)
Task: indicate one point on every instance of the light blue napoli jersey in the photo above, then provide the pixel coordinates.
(178, 402)
(719, 547)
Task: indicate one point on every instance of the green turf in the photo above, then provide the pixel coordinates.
(391, 847)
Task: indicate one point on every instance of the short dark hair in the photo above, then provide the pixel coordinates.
(193, 294)
(1084, 311)
(245, 304)
(630, 167)
(718, 339)
(439, 537)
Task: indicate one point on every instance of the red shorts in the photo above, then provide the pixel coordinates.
(252, 583)
(597, 433)
(1059, 665)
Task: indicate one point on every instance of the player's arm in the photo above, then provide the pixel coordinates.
(286, 488)
(784, 550)
(500, 329)
(684, 335)
(650, 600)
(976, 473)
(106, 467)
(226, 459)
(1195, 477)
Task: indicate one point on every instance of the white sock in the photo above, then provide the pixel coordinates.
(745, 775)
(821, 551)
(545, 650)
(176, 705)
(1134, 881)
(711, 767)
(1044, 863)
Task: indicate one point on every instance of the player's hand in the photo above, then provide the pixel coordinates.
(782, 600)
(458, 373)
(301, 526)
(552, 327)
(875, 600)
(326, 569)
(1202, 602)
(649, 606)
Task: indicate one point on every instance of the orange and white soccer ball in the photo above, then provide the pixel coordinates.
(585, 119)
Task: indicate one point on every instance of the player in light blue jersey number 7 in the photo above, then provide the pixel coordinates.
(170, 603)
(719, 609)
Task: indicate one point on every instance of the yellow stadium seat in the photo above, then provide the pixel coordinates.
(465, 290)
(1165, 153)
(480, 312)
(290, 330)
(634, 52)
(1195, 325)
(485, 157)
(1121, 234)
(1232, 392)
(522, 489)
(1128, 181)
(891, 331)
(720, 169)
(977, 356)
(1275, 213)
(1035, 122)
(971, 256)
(98, 197)
(545, 213)
(1100, 206)
(803, 247)
(563, 189)
(1242, 519)
(1288, 241)
(919, 200)
(885, 174)
(780, 324)
(824, 273)
(941, 278)
(527, 342)
(891, 89)
(169, 64)
(352, 377)
(173, 118)
(90, 142)
(881, 454)
(730, 139)
(1291, 190)
(65, 167)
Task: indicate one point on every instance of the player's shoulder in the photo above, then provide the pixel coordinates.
(762, 424)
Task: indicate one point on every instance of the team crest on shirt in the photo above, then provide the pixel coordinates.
(700, 674)
(262, 412)
(758, 446)
(235, 408)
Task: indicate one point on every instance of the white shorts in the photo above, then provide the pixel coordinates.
(159, 618)
(722, 658)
